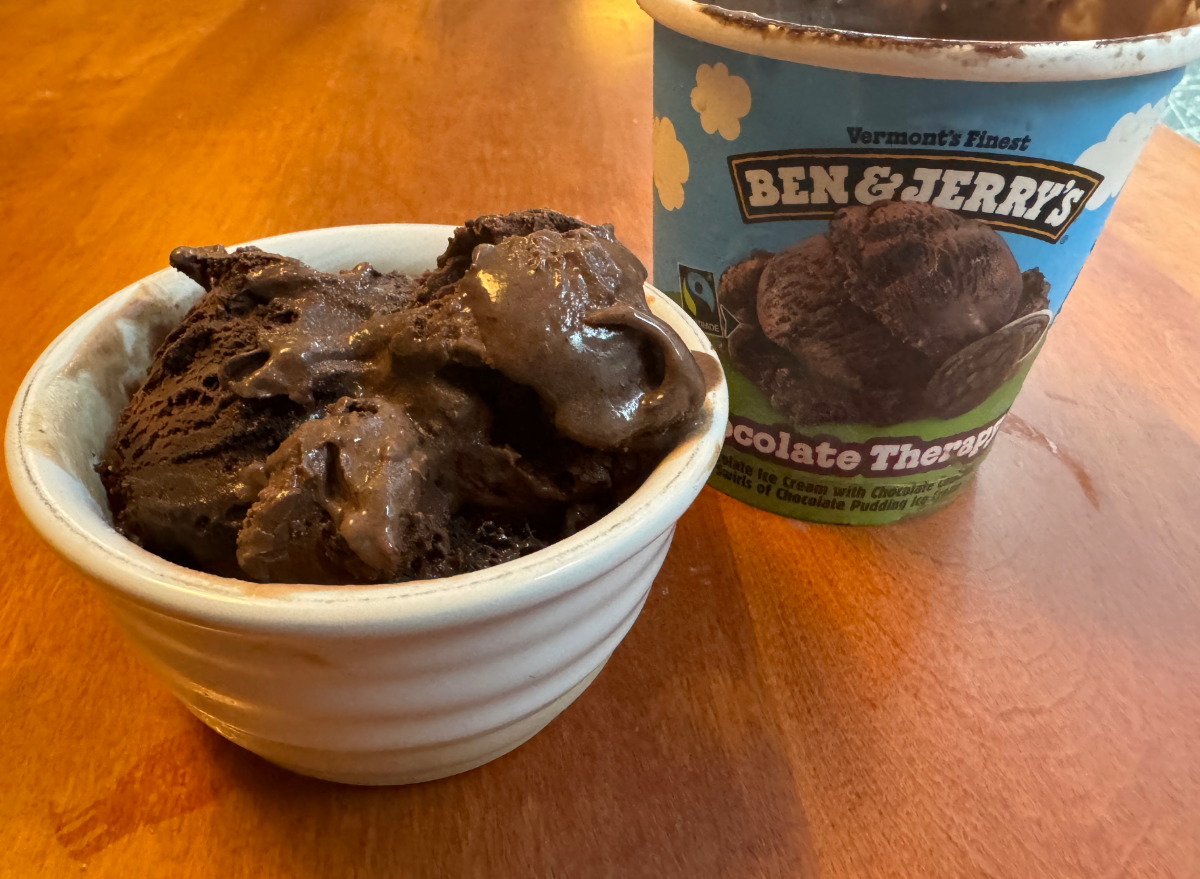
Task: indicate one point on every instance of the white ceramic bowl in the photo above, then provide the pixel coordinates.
(363, 684)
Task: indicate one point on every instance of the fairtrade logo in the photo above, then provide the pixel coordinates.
(698, 290)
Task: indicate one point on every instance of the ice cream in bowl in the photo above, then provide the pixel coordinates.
(376, 503)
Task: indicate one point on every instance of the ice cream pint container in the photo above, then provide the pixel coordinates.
(877, 234)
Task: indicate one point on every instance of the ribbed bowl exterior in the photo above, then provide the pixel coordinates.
(394, 710)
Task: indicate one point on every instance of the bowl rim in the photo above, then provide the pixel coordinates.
(926, 58)
(136, 575)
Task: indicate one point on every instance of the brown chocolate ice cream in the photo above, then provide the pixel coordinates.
(857, 324)
(935, 280)
(300, 426)
(807, 305)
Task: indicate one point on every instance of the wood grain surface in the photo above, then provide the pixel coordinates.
(1010, 688)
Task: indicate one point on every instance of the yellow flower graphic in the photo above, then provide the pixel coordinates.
(721, 99)
(671, 167)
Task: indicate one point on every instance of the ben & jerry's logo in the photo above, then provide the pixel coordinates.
(1029, 196)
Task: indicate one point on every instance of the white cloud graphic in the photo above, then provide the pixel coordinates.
(721, 99)
(1118, 153)
(671, 168)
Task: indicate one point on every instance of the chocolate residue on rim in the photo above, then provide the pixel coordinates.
(989, 27)
(1161, 38)
(711, 368)
(814, 34)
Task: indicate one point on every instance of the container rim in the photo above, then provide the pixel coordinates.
(923, 58)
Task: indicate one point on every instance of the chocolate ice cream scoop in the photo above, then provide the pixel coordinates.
(173, 469)
(366, 491)
(492, 229)
(903, 311)
(321, 500)
(805, 306)
(936, 280)
(317, 336)
(566, 314)
(364, 427)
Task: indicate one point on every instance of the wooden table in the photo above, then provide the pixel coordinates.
(1010, 688)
